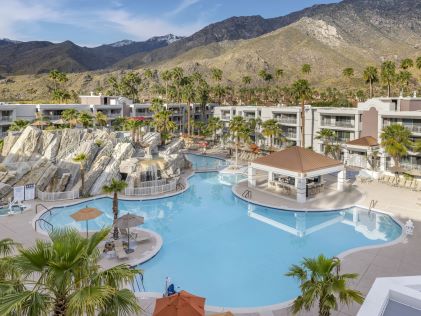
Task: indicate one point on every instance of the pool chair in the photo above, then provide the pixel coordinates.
(385, 179)
(409, 228)
(136, 236)
(119, 250)
(408, 184)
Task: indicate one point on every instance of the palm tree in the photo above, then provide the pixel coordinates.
(70, 116)
(101, 119)
(7, 247)
(188, 94)
(214, 125)
(64, 277)
(396, 141)
(85, 118)
(418, 62)
(404, 78)
(371, 76)
(239, 130)
(302, 91)
(321, 283)
(134, 125)
(271, 129)
(388, 75)
(407, 63)
(177, 75)
(115, 187)
(166, 77)
(81, 159)
(217, 74)
(348, 72)
(306, 69)
(219, 92)
(330, 145)
(18, 125)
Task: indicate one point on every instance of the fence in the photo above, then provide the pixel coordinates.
(152, 190)
(57, 196)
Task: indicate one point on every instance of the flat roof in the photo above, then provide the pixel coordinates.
(298, 159)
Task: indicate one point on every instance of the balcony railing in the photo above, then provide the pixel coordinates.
(414, 129)
(290, 135)
(284, 120)
(6, 118)
(338, 124)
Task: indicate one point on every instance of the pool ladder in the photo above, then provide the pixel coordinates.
(373, 204)
(247, 194)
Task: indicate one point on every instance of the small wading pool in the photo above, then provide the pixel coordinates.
(232, 252)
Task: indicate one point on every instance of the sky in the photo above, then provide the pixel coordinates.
(95, 22)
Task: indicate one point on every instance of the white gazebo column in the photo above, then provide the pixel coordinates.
(301, 185)
(382, 161)
(251, 176)
(346, 155)
(341, 179)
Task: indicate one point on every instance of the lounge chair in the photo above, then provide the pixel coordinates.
(138, 237)
(385, 179)
(408, 184)
(409, 228)
(119, 250)
(392, 181)
(401, 182)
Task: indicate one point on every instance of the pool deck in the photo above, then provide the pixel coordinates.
(401, 259)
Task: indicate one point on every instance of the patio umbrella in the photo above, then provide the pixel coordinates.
(129, 220)
(414, 172)
(180, 304)
(86, 214)
(40, 124)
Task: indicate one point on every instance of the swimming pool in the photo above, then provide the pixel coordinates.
(232, 252)
(200, 162)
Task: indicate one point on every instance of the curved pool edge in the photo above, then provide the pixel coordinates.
(245, 310)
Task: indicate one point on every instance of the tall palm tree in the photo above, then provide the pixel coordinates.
(188, 94)
(246, 80)
(64, 277)
(166, 77)
(18, 125)
(101, 119)
(81, 160)
(396, 141)
(321, 283)
(70, 116)
(177, 75)
(217, 74)
(271, 129)
(371, 76)
(404, 77)
(114, 188)
(238, 129)
(306, 69)
(302, 91)
(388, 75)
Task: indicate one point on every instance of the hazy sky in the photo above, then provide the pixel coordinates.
(94, 22)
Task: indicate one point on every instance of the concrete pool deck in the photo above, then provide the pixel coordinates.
(403, 259)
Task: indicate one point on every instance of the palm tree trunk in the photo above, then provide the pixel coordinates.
(302, 125)
(388, 90)
(82, 176)
(237, 143)
(60, 306)
(115, 213)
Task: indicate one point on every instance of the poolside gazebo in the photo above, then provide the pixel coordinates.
(297, 171)
(359, 152)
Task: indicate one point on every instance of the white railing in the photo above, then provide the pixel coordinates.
(152, 190)
(57, 196)
(153, 183)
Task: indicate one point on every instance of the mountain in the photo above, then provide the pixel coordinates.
(39, 57)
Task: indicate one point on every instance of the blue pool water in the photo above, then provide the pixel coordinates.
(205, 162)
(231, 252)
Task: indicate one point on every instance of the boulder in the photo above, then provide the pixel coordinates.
(26, 147)
(9, 141)
(5, 189)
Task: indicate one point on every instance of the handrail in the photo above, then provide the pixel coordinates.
(43, 221)
(372, 205)
(40, 204)
(247, 194)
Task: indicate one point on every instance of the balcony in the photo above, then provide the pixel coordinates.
(338, 124)
(290, 135)
(286, 120)
(414, 129)
(6, 118)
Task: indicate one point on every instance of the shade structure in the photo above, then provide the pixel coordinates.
(224, 314)
(414, 172)
(180, 304)
(40, 123)
(126, 222)
(86, 214)
(397, 169)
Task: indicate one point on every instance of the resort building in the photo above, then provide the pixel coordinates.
(12, 112)
(357, 129)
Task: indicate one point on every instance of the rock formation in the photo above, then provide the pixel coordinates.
(45, 158)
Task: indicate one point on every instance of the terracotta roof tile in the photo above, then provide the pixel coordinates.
(367, 141)
(297, 159)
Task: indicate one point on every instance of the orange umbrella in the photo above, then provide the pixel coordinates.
(85, 214)
(180, 304)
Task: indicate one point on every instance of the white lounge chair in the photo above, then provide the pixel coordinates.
(409, 228)
(119, 250)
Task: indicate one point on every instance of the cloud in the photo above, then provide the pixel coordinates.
(184, 4)
(141, 28)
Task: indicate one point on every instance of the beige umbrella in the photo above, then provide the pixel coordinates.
(86, 214)
(40, 123)
(129, 220)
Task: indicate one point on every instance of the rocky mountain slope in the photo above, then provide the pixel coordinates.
(39, 57)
